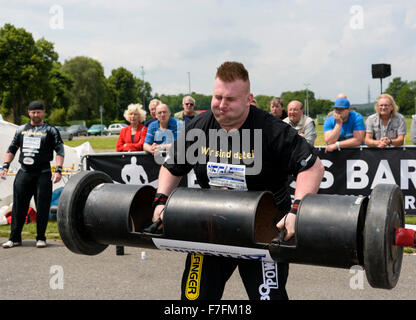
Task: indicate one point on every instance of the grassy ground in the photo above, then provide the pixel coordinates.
(29, 231)
(99, 144)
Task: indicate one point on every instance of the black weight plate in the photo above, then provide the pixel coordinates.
(70, 212)
(385, 213)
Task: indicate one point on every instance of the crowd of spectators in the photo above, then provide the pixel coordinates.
(344, 128)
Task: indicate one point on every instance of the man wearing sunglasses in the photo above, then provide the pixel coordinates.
(188, 112)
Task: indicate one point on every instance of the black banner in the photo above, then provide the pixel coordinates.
(353, 171)
(127, 167)
(356, 171)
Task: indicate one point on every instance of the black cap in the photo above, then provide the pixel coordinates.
(36, 105)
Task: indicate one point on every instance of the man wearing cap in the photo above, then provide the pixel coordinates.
(344, 128)
(36, 140)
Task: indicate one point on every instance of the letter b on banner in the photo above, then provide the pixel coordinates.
(357, 177)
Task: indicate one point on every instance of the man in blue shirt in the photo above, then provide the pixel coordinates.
(162, 132)
(344, 128)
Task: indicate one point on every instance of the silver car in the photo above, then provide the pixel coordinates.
(65, 135)
(115, 128)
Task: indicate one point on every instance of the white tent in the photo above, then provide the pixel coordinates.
(7, 131)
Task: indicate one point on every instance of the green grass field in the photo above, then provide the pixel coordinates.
(99, 144)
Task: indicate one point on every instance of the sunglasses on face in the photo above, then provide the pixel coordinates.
(189, 104)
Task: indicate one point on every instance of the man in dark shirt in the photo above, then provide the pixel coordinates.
(269, 151)
(277, 109)
(36, 140)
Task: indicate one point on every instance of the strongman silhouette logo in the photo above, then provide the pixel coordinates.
(134, 173)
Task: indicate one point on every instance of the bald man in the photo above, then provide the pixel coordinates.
(304, 125)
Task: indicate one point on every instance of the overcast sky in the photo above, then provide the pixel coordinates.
(285, 45)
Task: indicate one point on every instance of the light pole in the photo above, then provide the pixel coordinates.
(101, 119)
(307, 98)
(189, 82)
(415, 105)
(144, 102)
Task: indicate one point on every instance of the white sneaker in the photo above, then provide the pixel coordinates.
(40, 244)
(11, 244)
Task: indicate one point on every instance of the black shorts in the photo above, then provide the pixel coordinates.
(204, 278)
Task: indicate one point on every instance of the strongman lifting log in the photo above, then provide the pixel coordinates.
(331, 230)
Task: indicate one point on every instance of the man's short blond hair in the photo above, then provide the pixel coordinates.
(135, 108)
(188, 98)
(154, 102)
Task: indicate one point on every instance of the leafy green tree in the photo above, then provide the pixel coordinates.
(57, 117)
(25, 67)
(394, 87)
(144, 92)
(321, 106)
(406, 98)
(89, 90)
(60, 84)
(263, 102)
(202, 102)
(124, 85)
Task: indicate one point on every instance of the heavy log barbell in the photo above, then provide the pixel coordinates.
(331, 230)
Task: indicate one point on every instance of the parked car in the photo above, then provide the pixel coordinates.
(65, 135)
(115, 128)
(97, 129)
(78, 130)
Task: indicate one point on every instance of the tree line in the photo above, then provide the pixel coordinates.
(76, 89)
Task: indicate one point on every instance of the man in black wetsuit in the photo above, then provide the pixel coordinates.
(36, 140)
(275, 150)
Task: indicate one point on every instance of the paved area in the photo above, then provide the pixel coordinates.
(56, 273)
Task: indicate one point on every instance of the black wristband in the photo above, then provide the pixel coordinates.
(295, 207)
(58, 169)
(160, 198)
(6, 165)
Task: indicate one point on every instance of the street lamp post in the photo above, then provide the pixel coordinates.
(189, 82)
(101, 119)
(307, 98)
(144, 102)
(415, 104)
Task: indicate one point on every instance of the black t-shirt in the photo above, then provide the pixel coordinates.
(267, 153)
(36, 144)
(187, 119)
(284, 114)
